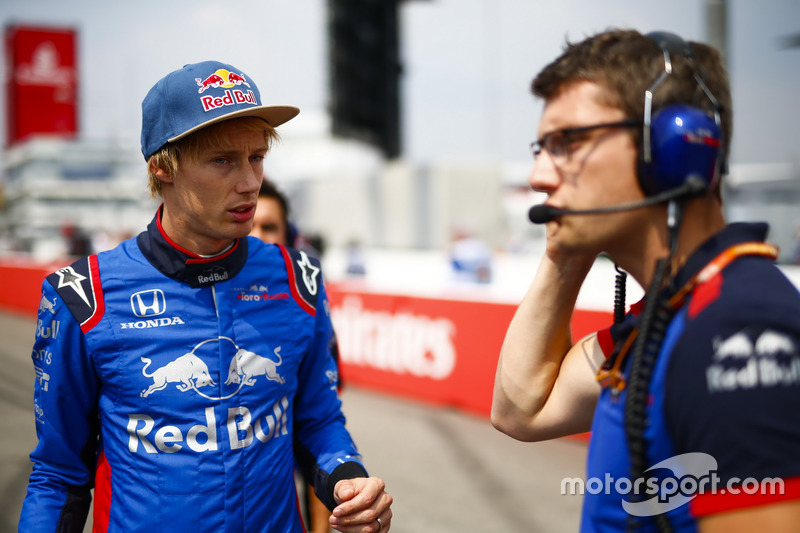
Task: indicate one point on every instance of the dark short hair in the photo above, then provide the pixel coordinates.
(625, 63)
(270, 190)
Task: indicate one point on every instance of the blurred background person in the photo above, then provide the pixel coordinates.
(356, 262)
(470, 256)
(271, 222)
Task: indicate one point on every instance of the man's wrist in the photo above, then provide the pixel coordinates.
(348, 470)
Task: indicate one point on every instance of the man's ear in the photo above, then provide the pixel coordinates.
(164, 176)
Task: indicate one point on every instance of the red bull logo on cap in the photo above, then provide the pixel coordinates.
(221, 78)
(225, 79)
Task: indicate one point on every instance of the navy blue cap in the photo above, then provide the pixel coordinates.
(199, 95)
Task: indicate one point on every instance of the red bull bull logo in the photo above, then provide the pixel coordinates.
(221, 78)
(47, 305)
(189, 372)
(246, 365)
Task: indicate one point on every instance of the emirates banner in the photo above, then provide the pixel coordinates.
(41, 83)
(439, 351)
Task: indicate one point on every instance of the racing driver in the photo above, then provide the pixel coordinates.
(174, 371)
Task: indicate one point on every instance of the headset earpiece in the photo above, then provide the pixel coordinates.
(679, 141)
(684, 142)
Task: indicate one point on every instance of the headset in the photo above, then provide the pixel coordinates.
(680, 142)
(681, 152)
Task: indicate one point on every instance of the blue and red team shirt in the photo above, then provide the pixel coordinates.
(183, 389)
(723, 404)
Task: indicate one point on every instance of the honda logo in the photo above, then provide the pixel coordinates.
(148, 303)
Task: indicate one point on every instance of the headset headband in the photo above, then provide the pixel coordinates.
(671, 44)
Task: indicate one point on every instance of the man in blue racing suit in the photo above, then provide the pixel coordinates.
(174, 371)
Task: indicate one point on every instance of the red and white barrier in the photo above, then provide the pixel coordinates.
(435, 350)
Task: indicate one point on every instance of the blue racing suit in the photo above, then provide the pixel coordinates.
(181, 388)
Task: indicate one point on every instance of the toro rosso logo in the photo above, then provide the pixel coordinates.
(189, 372)
(221, 78)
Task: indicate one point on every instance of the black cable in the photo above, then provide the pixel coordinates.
(619, 294)
(655, 319)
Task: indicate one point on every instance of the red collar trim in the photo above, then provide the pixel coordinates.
(194, 259)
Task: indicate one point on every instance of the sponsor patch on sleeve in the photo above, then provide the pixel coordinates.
(305, 278)
(79, 287)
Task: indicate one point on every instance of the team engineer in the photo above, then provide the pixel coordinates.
(699, 380)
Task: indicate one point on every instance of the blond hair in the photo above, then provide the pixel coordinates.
(169, 156)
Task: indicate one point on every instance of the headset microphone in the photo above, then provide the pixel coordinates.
(542, 213)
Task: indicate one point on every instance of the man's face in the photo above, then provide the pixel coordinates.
(268, 223)
(211, 201)
(596, 168)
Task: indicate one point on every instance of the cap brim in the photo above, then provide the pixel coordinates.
(274, 115)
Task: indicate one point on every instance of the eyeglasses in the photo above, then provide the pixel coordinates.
(559, 143)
